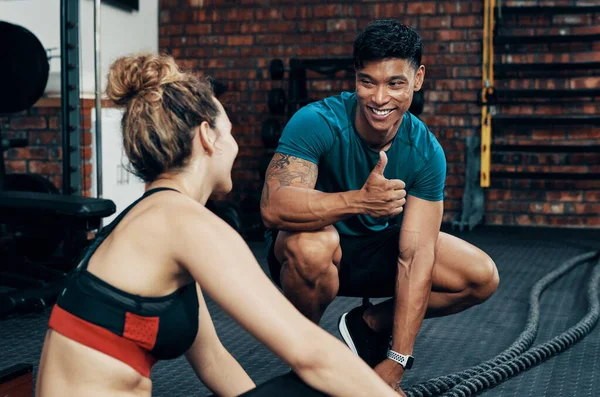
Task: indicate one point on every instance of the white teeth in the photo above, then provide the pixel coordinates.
(381, 112)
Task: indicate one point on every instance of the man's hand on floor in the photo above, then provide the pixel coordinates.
(392, 373)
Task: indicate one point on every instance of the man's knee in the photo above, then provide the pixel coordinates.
(309, 255)
(486, 279)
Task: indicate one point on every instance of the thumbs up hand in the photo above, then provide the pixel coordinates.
(381, 197)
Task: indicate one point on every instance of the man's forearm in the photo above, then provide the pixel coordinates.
(413, 288)
(302, 209)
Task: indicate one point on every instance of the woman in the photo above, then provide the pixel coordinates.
(137, 296)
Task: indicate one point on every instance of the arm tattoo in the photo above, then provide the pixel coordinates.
(265, 196)
(292, 171)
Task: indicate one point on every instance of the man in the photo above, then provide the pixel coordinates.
(346, 167)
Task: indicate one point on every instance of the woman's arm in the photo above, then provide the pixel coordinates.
(213, 364)
(223, 265)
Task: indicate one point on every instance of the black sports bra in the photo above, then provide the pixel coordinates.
(136, 330)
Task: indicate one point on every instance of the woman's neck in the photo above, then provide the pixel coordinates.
(196, 189)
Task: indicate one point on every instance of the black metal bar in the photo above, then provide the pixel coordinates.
(545, 175)
(537, 39)
(544, 185)
(544, 119)
(537, 10)
(71, 118)
(546, 93)
(12, 372)
(529, 148)
(505, 68)
(4, 145)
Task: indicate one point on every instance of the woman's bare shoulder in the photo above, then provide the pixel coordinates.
(183, 214)
(163, 218)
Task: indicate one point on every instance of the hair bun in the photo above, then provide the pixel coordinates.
(130, 75)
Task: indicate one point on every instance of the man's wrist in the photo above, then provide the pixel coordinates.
(398, 370)
(404, 360)
(353, 202)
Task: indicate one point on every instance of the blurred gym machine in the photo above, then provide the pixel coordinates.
(42, 230)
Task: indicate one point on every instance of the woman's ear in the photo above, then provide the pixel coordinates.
(207, 138)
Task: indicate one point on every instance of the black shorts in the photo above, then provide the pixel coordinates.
(369, 263)
(288, 385)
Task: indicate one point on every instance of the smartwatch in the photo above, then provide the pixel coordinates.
(405, 360)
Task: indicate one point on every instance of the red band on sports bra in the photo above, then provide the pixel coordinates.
(141, 330)
(102, 340)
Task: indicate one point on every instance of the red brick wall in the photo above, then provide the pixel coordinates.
(41, 126)
(550, 201)
(234, 40)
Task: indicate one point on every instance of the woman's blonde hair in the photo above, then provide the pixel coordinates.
(162, 107)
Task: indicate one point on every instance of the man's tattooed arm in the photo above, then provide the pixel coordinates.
(289, 199)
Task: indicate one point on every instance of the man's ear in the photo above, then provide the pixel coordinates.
(419, 77)
(207, 138)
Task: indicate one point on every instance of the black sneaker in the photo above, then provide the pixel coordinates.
(369, 345)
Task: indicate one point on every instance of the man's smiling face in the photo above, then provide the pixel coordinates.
(384, 90)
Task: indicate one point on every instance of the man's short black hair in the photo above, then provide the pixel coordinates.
(387, 38)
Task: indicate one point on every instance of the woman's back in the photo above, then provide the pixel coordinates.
(136, 256)
(128, 305)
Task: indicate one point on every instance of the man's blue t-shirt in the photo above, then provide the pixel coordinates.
(323, 133)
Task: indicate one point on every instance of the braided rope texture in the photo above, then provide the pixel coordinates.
(517, 358)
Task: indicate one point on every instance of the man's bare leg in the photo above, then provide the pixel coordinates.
(309, 271)
(463, 276)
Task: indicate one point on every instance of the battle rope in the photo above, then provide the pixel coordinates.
(514, 359)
